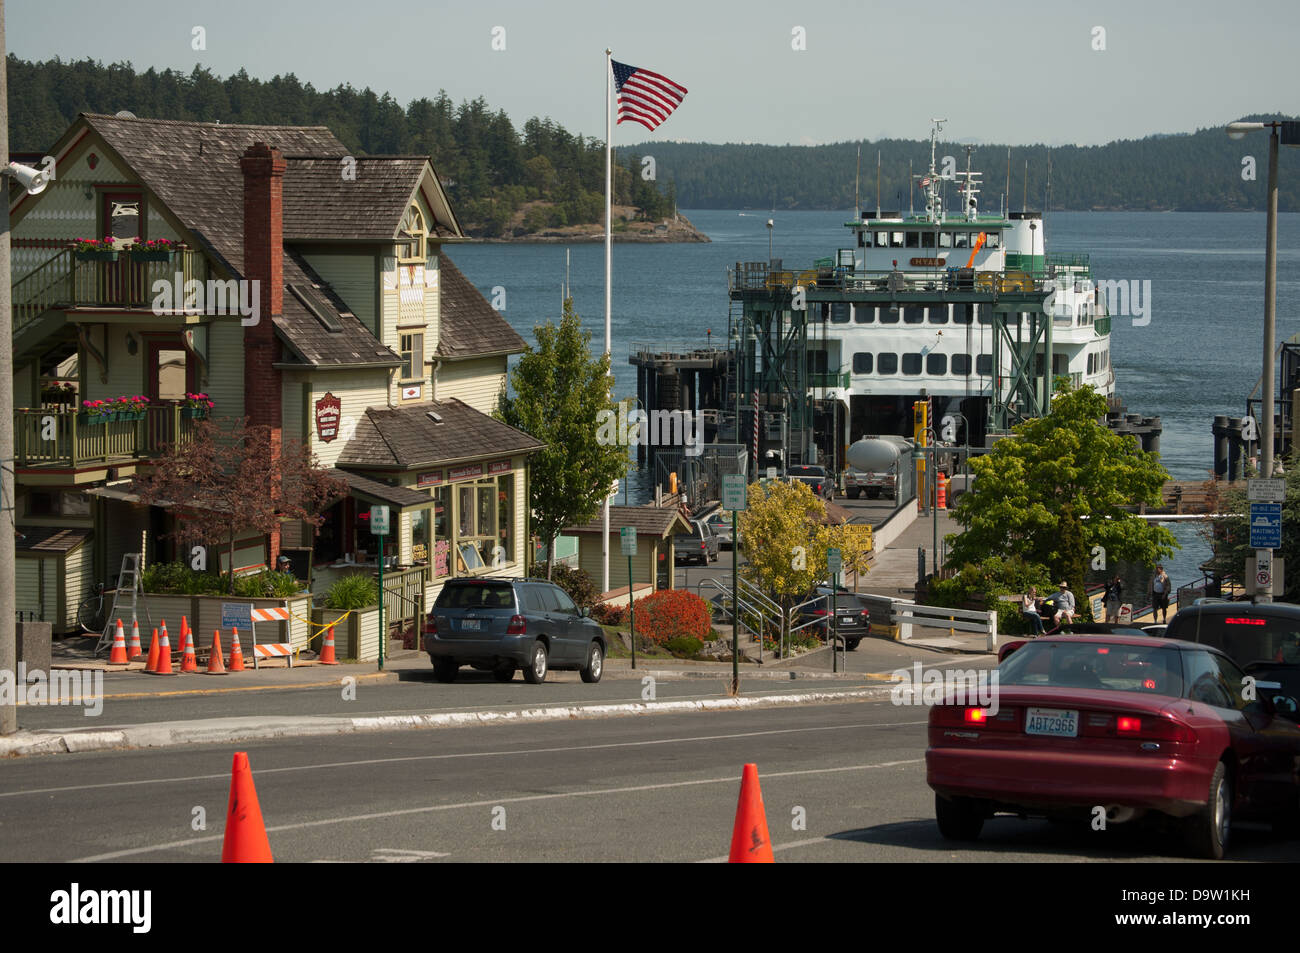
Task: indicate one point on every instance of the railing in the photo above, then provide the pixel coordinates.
(1101, 326)
(828, 379)
(47, 438)
(65, 281)
(755, 276)
(404, 597)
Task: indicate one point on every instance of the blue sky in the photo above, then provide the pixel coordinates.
(1013, 71)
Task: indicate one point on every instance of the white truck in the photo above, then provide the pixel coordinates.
(878, 483)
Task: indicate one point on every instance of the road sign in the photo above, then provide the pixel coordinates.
(1266, 526)
(1266, 491)
(834, 562)
(235, 614)
(627, 538)
(733, 491)
(379, 520)
(771, 473)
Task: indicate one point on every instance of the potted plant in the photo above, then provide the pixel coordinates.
(96, 412)
(94, 249)
(131, 408)
(196, 406)
(59, 393)
(153, 249)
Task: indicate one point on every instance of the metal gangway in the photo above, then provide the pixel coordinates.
(758, 614)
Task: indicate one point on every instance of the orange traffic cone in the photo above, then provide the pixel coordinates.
(215, 664)
(327, 651)
(185, 628)
(942, 492)
(245, 841)
(118, 655)
(189, 661)
(151, 662)
(236, 654)
(164, 666)
(133, 648)
(750, 843)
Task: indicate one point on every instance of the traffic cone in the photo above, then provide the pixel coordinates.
(236, 654)
(185, 628)
(942, 492)
(133, 648)
(327, 650)
(118, 655)
(215, 664)
(164, 666)
(245, 841)
(151, 662)
(750, 843)
(189, 661)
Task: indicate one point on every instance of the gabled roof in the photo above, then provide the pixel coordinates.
(311, 340)
(656, 521)
(470, 327)
(405, 438)
(397, 496)
(322, 204)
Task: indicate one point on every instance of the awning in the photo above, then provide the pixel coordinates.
(398, 497)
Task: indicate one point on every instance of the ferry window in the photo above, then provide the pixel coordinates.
(961, 364)
(1090, 363)
(862, 362)
(913, 315)
(927, 239)
(839, 312)
(961, 240)
(983, 315)
(945, 239)
(936, 364)
(882, 239)
(897, 239)
(888, 316)
(887, 363)
(912, 363)
(938, 315)
(984, 365)
(863, 314)
(913, 239)
(1060, 364)
(994, 240)
(961, 313)
(864, 239)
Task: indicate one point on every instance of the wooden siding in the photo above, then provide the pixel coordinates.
(225, 370)
(477, 382)
(352, 275)
(357, 390)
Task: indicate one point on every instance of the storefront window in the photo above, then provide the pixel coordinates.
(420, 536)
(484, 521)
(505, 516)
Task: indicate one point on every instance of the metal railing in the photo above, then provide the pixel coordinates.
(47, 437)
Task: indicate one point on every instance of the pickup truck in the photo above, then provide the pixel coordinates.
(701, 545)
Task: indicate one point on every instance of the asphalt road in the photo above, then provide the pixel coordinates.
(841, 782)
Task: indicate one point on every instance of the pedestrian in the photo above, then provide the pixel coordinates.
(1160, 586)
(1114, 595)
(1029, 610)
(1064, 605)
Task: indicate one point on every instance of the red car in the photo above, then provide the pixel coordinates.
(1131, 724)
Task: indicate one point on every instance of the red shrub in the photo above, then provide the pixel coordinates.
(672, 613)
(606, 614)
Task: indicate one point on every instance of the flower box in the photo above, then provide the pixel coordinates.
(194, 413)
(129, 415)
(96, 255)
(85, 417)
(147, 255)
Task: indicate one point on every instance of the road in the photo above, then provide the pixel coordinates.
(645, 788)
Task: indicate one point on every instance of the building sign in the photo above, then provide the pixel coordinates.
(441, 552)
(467, 472)
(419, 553)
(328, 411)
(431, 478)
(412, 391)
(927, 262)
(498, 466)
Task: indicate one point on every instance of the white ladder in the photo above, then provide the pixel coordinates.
(129, 575)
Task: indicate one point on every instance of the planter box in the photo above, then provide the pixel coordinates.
(129, 415)
(151, 256)
(204, 615)
(96, 255)
(355, 637)
(85, 417)
(194, 413)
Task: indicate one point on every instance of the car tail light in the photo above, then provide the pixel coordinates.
(518, 626)
(976, 716)
(1126, 725)
(703, 545)
(1137, 727)
(821, 612)
(431, 625)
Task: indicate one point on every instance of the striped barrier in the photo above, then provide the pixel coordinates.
(276, 614)
(269, 650)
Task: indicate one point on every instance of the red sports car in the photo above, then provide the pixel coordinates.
(1126, 723)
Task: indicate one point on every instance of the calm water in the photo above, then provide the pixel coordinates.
(1200, 355)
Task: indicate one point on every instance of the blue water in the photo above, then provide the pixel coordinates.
(1200, 355)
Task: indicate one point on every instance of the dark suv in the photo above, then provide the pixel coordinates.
(816, 477)
(498, 625)
(852, 618)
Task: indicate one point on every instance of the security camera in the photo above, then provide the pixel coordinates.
(33, 180)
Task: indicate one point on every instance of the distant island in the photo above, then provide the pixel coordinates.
(627, 227)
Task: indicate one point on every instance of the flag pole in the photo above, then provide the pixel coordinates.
(609, 257)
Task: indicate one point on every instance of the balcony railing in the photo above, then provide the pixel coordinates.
(828, 379)
(63, 438)
(66, 281)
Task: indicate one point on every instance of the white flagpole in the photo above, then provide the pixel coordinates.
(609, 258)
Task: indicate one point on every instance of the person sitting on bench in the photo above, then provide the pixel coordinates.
(1064, 605)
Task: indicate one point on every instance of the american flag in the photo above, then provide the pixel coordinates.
(643, 96)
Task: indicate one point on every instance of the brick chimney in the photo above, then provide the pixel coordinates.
(263, 169)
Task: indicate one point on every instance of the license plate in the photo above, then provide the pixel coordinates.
(470, 625)
(1056, 722)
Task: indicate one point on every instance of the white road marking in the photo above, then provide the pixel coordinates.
(463, 754)
(492, 802)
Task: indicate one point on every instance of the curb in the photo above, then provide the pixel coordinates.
(233, 730)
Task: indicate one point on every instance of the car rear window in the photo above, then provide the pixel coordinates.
(1120, 668)
(1245, 636)
(476, 595)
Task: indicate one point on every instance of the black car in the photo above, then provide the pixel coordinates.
(1263, 638)
(498, 625)
(852, 618)
(816, 477)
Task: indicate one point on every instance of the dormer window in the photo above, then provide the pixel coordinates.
(412, 237)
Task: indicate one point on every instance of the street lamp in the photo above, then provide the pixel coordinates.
(1291, 133)
(770, 225)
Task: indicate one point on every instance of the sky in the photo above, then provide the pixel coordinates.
(1003, 71)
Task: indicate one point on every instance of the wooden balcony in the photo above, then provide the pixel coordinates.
(63, 440)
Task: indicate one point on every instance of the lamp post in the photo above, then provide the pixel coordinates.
(770, 225)
(1291, 132)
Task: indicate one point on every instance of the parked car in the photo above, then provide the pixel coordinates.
(498, 625)
(853, 619)
(1263, 638)
(699, 546)
(818, 480)
(719, 524)
(1135, 724)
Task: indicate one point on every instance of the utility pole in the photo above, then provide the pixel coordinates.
(8, 597)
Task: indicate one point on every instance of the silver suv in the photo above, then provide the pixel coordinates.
(498, 625)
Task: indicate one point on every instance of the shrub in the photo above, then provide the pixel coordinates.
(573, 581)
(266, 584)
(671, 614)
(684, 646)
(994, 583)
(356, 591)
(606, 614)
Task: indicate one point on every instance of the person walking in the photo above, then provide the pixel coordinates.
(1160, 587)
(1114, 596)
(1029, 610)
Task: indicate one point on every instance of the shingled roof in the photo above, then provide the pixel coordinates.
(655, 521)
(321, 205)
(470, 326)
(404, 438)
(343, 341)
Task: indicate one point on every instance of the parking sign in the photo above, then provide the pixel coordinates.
(733, 491)
(1266, 526)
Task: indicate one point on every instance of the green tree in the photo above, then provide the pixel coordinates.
(1056, 471)
(1229, 536)
(559, 390)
